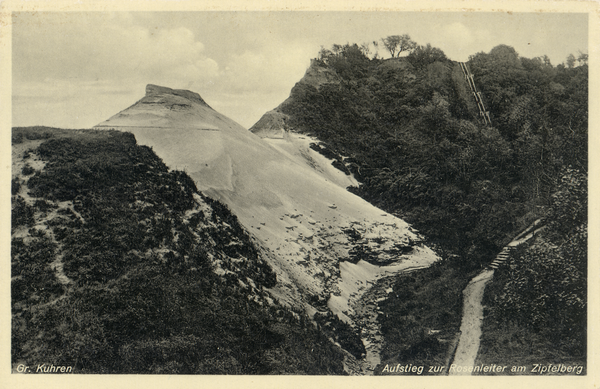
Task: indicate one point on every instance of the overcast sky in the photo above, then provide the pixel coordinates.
(74, 70)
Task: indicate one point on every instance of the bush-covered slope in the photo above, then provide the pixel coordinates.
(536, 306)
(122, 266)
(412, 137)
(409, 130)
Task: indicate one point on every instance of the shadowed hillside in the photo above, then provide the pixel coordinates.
(410, 131)
(120, 265)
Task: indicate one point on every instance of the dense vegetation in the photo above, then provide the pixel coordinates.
(410, 132)
(537, 305)
(420, 317)
(155, 278)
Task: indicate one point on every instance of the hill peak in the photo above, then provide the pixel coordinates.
(157, 90)
(163, 107)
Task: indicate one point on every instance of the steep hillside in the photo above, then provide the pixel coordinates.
(120, 265)
(536, 309)
(325, 243)
(170, 239)
(409, 131)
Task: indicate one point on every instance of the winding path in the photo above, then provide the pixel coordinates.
(470, 327)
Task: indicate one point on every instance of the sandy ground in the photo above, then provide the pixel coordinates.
(285, 194)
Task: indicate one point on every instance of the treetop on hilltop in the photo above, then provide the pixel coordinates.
(396, 44)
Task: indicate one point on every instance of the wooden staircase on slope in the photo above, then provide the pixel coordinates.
(485, 115)
(501, 257)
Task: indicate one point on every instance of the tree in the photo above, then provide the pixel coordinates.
(349, 61)
(396, 44)
(571, 61)
(545, 60)
(582, 59)
(422, 56)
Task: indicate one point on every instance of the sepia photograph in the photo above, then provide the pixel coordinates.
(393, 192)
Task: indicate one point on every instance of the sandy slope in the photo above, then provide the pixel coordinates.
(297, 147)
(289, 197)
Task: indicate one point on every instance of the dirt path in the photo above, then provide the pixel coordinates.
(472, 320)
(470, 327)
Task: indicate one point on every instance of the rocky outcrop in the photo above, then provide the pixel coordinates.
(159, 92)
(273, 123)
(317, 75)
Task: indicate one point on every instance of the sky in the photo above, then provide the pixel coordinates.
(77, 69)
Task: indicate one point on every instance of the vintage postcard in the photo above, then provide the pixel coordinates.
(279, 194)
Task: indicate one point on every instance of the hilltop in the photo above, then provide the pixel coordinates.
(288, 197)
